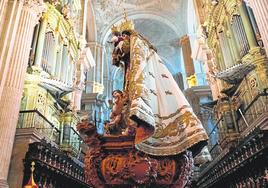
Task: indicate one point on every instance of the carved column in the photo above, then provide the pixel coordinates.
(12, 90)
(12, 10)
(260, 9)
(188, 61)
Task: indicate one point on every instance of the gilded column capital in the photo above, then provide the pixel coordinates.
(35, 7)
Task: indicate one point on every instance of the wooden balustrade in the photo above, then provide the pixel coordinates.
(233, 169)
(53, 167)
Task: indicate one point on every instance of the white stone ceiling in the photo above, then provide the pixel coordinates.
(163, 22)
(171, 13)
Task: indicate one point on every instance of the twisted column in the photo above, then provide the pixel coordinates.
(12, 89)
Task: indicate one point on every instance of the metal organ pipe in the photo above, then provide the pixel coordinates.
(240, 35)
(225, 50)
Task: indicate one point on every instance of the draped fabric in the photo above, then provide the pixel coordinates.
(158, 103)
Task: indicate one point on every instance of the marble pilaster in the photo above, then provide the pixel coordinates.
(3, 9)
(12, 89)
(11, 9)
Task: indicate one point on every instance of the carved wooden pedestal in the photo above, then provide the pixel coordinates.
(114, 162)
(118, 163)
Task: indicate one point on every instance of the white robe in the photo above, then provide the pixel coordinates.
(158, 103)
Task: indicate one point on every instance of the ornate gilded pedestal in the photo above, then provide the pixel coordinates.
(114, 162)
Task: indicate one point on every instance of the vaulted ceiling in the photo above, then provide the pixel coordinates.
(162, 22)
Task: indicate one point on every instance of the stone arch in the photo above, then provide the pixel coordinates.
(133, 15)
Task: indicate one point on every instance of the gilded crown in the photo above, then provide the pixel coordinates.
(127, 25)
(115, 29)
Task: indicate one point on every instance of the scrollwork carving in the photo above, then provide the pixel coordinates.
(131, 167)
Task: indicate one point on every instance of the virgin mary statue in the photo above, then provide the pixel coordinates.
(166, 122)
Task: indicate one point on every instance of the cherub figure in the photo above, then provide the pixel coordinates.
(119, 101)
(117, 122)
